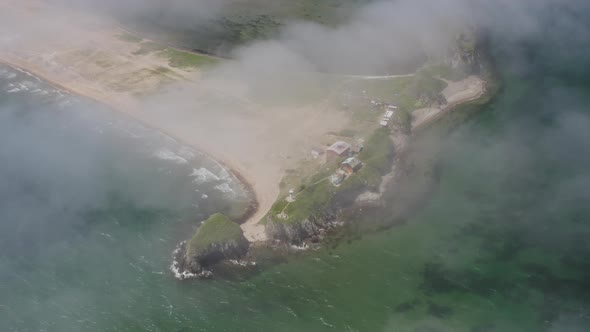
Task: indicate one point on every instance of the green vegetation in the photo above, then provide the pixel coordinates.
(177, 58)
(403, 119)
(246, 29)
(184, 59)
(427, 88)
(376, 157)
(217, 229)
(243, 22)
(319, 194)
(357, 94)
(407, 93)
(387, 90)
(312, 201)
(278, 207)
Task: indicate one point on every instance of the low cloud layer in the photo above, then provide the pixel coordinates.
(542, 46)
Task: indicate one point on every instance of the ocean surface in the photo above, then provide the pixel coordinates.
(92, 204)
(91, 208)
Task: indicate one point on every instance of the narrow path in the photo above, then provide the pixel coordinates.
(375, 77)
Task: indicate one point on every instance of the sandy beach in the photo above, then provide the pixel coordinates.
(256, 142)
(263, 198)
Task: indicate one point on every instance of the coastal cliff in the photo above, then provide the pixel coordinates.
(312, 229)
(394, 173)
(217, 239)
(468, 54)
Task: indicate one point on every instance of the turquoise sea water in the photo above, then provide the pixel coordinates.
(88, 221)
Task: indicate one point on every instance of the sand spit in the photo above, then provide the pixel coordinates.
(213, 112)
(87, 55)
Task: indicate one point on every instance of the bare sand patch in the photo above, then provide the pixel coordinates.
(455, 93)
(466, 89)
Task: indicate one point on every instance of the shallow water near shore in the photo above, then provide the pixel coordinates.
(92, 205)
(88, 222)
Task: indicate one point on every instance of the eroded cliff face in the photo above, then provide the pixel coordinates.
(466, 53)
(216, 240)
(312, 229)
(215, 253)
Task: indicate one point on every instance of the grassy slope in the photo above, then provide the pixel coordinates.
(404, 92)
(176, 58)
(317, 197)
(184, 59)
(218, 228)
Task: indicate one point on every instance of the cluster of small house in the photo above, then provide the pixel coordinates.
(350, 165)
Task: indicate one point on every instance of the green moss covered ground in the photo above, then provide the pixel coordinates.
(217, 229)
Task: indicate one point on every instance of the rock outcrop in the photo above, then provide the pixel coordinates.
(296, 233)
(217, 239)
(465, 54)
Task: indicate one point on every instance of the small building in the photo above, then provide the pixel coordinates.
(337, 150)
(386, 118)
(291, 197)
(388, 115)
(351, 165)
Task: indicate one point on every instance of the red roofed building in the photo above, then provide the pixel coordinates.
(337, 150)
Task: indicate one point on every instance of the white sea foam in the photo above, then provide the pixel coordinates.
(21, 86)
(174, 267)
(132, 134)
(27, 85)
(301, 247)
(224, 174)
(28, 74)
(165, 154)
(181, 275)
(242, 262)
(225, 188)
(64, 103)
(203, 175)
(186, 153)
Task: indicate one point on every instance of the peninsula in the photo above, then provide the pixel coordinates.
(306, 143)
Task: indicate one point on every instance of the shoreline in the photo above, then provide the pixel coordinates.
(401, 142)
(261, 201)
(449, 108)
(249, 217)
